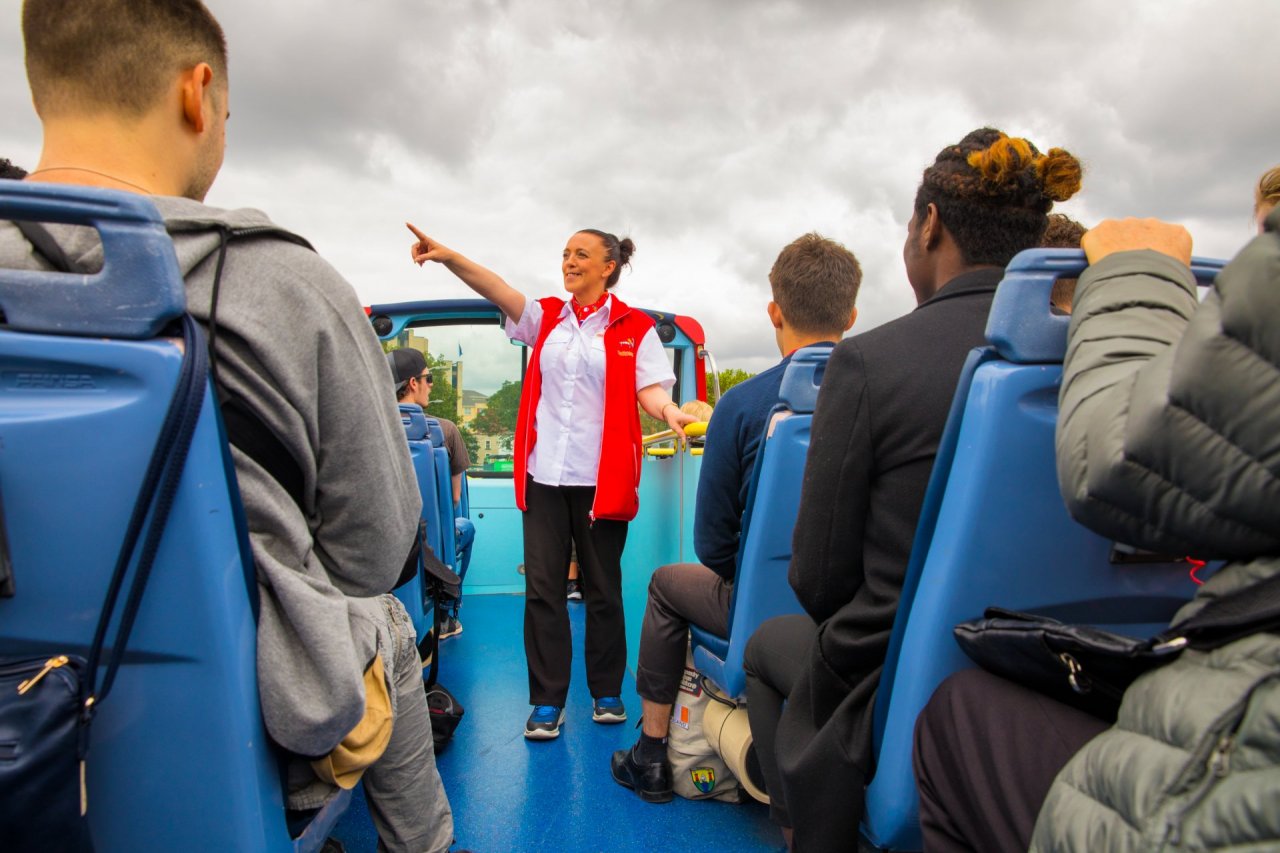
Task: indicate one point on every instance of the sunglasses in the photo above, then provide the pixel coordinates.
(427, 378)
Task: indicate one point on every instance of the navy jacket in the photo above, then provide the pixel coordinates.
(733, 441)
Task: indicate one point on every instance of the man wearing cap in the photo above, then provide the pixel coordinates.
(413, 385)
(413, 382)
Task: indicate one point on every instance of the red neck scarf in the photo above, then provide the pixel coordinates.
(582, 312)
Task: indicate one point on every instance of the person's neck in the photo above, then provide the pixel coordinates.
(105, 154)
(790, 340)
(585, 299)
(944, 273)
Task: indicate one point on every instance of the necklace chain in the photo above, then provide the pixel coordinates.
(92, 172)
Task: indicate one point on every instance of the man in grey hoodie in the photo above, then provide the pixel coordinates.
(133, 96)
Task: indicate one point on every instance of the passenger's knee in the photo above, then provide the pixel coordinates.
(960, 691)
(660, 581)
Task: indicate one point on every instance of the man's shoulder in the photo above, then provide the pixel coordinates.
(764, 384)
(290, 277)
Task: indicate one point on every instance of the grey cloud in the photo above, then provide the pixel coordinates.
(712, 132)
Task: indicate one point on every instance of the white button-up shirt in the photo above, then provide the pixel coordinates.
(570, 414)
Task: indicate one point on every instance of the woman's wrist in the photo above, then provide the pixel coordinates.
(662, 413)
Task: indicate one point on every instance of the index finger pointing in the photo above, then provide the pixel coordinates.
(415, 231)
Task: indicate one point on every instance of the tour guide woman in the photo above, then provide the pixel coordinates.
(577, 457)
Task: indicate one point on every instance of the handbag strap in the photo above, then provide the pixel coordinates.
(1249, 610)
(159, 486)
(155, 499)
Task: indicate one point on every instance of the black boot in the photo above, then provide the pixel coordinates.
(651, 780)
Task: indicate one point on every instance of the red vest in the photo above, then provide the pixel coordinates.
(618, 474)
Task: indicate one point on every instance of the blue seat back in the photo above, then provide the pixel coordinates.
(448, 552)
(179, 755)
(414, 595)
(994, 530)
(761, 590)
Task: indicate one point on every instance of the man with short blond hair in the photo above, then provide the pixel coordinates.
(133, 96)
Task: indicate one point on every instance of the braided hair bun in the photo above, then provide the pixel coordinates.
(993, 193)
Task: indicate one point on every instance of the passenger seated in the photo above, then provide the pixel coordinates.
(133, 96)
(414, 381)
(1063, 233)
(1166, 441)
(815, 283)
(879, 417)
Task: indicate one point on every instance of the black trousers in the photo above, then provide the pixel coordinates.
(679, 595)
(986, 751)
(776, 655)
(557, 517)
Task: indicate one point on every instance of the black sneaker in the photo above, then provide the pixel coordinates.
(608, 709)
(544, 722)
(573, 590)
(651, 781)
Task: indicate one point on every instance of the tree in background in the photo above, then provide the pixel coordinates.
(501, 411)
(470, 440)
(729, 377)
(444, 397)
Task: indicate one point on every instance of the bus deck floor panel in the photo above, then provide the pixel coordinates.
(511, 794)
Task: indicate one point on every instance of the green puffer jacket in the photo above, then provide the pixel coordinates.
(1169, 438)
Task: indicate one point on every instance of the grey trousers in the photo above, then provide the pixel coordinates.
(679, 595)
(406, 798)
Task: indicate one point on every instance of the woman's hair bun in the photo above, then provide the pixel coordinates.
(1003, 159)
(626, 248)
(1008, 158)
(1060, 174)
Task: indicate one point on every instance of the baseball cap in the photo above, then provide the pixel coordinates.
(406, 363)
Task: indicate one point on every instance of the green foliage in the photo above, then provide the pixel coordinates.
(729, 377)
(502, 409)
(470, 440)
(444, 397)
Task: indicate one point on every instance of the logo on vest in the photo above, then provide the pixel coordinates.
(704, 779)
(627, 344)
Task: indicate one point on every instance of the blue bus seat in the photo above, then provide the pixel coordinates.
(180, 757)
(993, 529)
(761, 590)
(448, 552)
(414, 595)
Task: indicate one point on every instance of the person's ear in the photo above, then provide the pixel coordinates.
(853, 317)
(775, 314)
(196, 86)
(931, 228)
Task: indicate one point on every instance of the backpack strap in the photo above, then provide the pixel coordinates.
(46, 247)
(245, 430)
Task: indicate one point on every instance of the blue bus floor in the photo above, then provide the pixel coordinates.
(510, 794)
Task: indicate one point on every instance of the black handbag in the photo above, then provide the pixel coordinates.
(48, 704)
(1089, 668)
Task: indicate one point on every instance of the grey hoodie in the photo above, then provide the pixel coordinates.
(294, 343)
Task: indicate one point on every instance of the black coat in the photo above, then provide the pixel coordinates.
(880, 414)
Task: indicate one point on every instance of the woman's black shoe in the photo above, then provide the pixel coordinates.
(652, 781)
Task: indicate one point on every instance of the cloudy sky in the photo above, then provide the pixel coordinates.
(713, 133)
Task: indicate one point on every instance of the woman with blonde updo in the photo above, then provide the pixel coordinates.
(879, 418)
